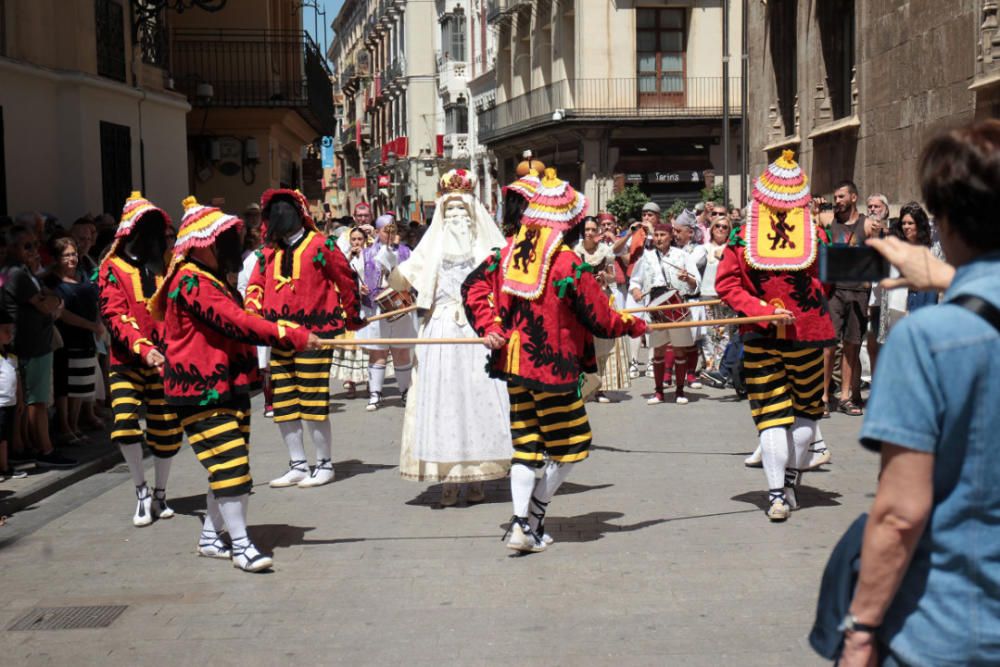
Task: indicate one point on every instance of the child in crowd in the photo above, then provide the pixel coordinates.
(8, 395)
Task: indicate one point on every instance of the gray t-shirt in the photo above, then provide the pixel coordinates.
(850, 235)
(33, 329)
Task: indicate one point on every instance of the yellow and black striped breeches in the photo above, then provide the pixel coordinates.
(130, 390)
(784, 382)
(220, 438)
(301, 384)
(545, 424)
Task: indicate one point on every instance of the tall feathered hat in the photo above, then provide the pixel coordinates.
(555, 204)
(200, 227)
(783, 185)
(293, 196)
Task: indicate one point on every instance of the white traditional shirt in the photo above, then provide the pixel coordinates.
(656, 269)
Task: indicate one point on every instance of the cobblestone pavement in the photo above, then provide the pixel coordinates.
(663, 556)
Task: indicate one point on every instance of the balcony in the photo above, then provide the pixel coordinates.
(594, 100)
(453, 77)
(349, 135)
(254, 69)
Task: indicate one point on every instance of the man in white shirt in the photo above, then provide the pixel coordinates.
(685, 228)
(661, 269)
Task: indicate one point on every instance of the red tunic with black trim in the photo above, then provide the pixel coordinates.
(298, 284)
(210, 339)
(550, 340)
(123, 300)
(751, 292)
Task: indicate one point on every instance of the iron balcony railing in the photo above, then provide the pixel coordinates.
(254, 68)
(610, 99)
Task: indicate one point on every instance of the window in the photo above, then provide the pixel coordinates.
(784, 59)
(3, 169)
(116, 165)
(456, 119)
(453, 36)
(110, 31)
(836, 30)
(660, 44)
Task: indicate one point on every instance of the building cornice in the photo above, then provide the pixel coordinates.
(848, 124)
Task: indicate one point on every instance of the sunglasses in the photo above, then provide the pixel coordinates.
(720, 226)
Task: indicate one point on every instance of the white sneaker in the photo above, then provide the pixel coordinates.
(449, 495)
(160, 508)
(633, 370)
(474, 493)
(297, 471)
(374, 400)
(602, 398)
(819, 457)
(322, 474)
(649, 371)
(655, 399)
(143, 507)
(522, 538)
(755, 460)
(778, 511)
(248, 559)
(696, 384)
(681, 400)
(212, 546)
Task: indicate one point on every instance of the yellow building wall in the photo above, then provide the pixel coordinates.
(52, 140)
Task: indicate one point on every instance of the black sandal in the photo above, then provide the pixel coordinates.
(849, 408)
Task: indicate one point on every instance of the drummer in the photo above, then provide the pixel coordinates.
(685, 227)
(380, 258)
(666, 274)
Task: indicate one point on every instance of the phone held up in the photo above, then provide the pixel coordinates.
(851, 264)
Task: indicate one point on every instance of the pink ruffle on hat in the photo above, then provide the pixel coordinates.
(201, 225)
(136, 206)
(555, 205)
(526, 186)
(783, 185)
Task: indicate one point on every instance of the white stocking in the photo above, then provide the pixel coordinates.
(775, 447)
(403, 374)
(213, 518)
(321, 433)
(804, 433)
(133, 457)
(291, 433)
(555, 475)
(376, 378)
(234, 512)
(522, 483)
(162, 470)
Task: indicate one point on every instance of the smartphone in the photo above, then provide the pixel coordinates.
(841, 263)
(826, 206)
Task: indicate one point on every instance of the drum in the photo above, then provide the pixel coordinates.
(389, 300)
(666, 297)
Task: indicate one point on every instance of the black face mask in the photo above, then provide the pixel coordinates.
(229, 251)
(148, 242)
(283, 220)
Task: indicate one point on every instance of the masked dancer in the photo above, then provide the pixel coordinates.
(539, 309)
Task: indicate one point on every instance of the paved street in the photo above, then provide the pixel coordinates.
(663, 556)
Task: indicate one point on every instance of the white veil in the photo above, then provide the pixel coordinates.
(422, 267)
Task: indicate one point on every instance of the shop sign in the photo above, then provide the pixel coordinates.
(633, 178)
(384, 180)
(358, 183)
(674, 177)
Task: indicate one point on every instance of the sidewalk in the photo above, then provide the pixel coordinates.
(16, 494)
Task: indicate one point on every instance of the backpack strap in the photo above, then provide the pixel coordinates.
(981, 307)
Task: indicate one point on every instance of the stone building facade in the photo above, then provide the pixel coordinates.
(856, 87)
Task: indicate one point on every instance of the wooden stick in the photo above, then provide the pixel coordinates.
(398, 342)
(673, 306)
(687, 324)
(392, 313)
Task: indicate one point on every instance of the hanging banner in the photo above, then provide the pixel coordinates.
(326, 152)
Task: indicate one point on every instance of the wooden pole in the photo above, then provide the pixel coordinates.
(392, 313)
(674, 306)
(399, 342)
(712, 323)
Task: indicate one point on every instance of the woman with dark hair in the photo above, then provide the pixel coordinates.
(75, 363)
(927, 587)
(912, 226)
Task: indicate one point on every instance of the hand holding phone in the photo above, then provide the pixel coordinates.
(851, 264)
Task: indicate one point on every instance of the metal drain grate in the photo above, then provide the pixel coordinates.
(68, 618)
